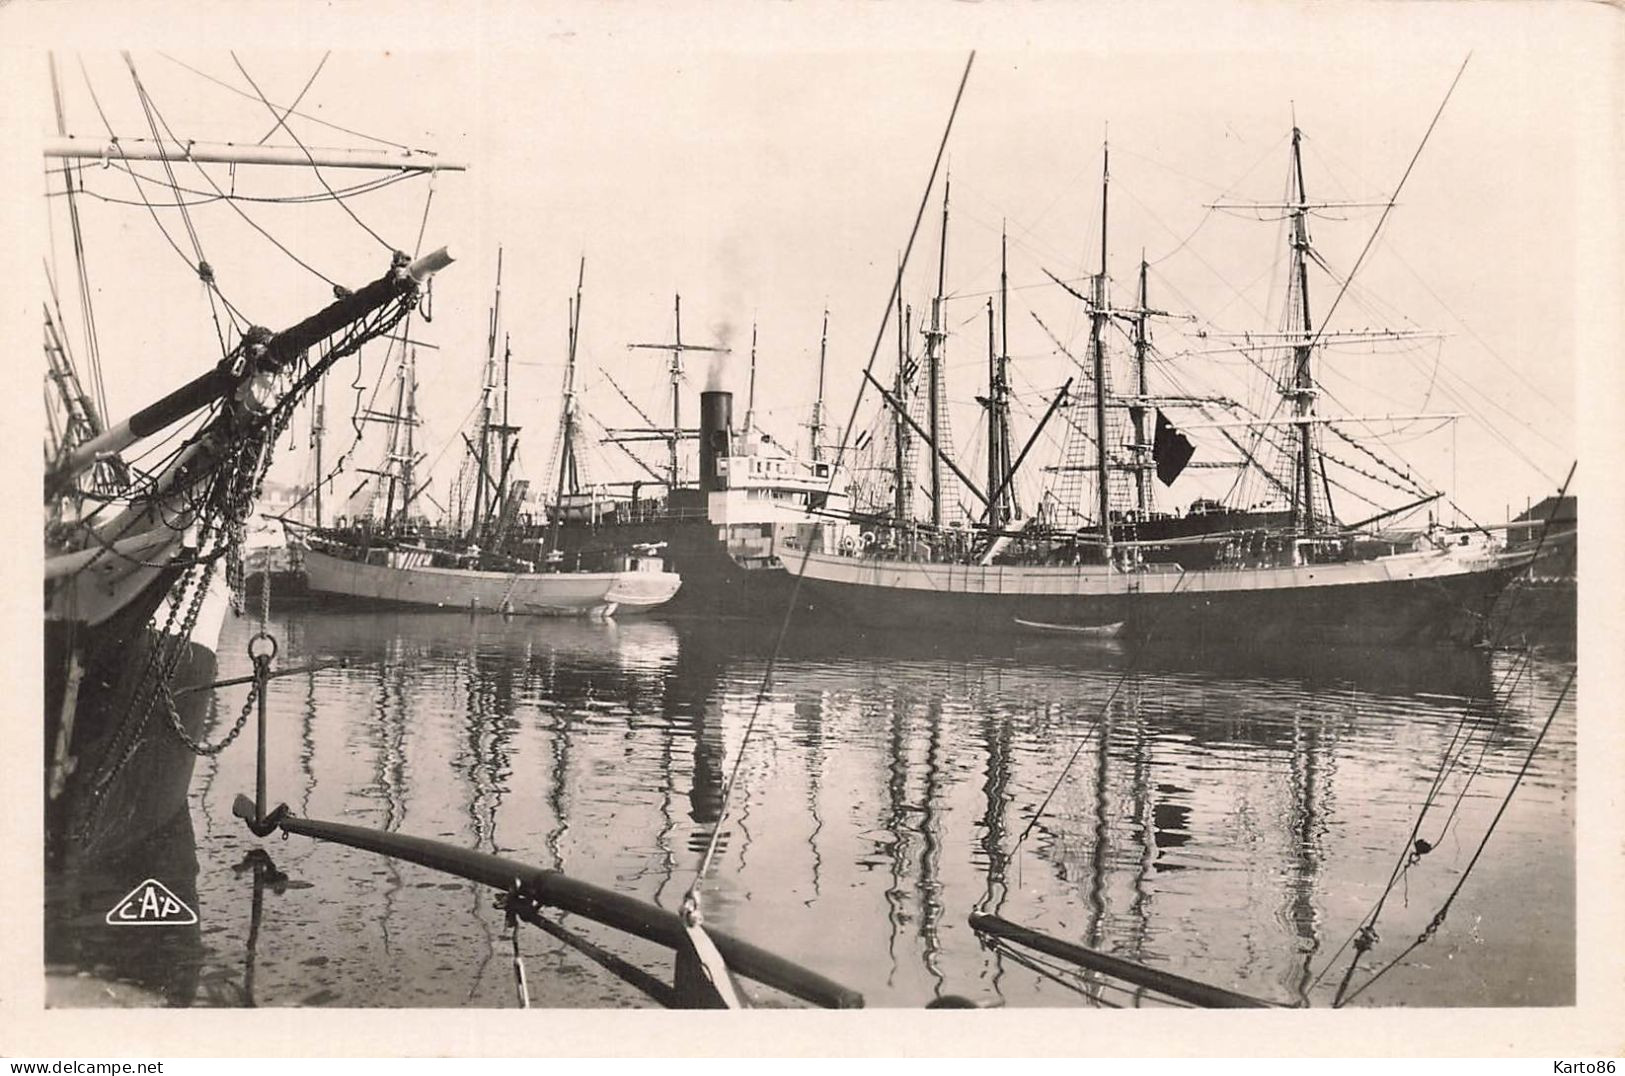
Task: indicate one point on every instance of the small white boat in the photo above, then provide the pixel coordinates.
(1089, 631)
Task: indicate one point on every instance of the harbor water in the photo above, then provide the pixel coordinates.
(1230, 817)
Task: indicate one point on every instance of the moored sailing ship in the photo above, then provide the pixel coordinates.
(1283, 569)
(485, 566)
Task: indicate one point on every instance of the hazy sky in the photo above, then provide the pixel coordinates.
(771, 165)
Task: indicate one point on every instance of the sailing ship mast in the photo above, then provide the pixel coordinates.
(569, 476)
(1142, 460)
(318, 432)
(750, 392)
(490, 494)
(934, 337)
(995, 511)
(1002, 389)
(1302, 390)
(1005, 507)
(81, 421)
(399, 457)
(815, 428)
(487, 380)
(506, 435)
(903, 480)
(1097, 319)
(675, 369)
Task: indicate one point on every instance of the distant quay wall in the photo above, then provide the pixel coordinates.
(1540, 612)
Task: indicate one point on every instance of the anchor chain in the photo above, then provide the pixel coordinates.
(225, 495)
(220, 513)
(203, 748)
(162, 659)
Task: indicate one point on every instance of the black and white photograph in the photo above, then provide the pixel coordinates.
(961, 506)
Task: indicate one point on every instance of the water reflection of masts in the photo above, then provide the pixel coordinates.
(930, 889)
(485, 760)
(1306, 830)
(487, 732)
(1100, 852)
(390, 776)
(1140, 791)
(307, 744)
(810, 729)
(557, 800)
(897, 808)
(995, 790)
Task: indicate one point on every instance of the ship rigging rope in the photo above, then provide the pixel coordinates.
(1415, 486)
(1393, 199)
(417, 247)
(1391, 251)
(1365, 933)
(1444, 909)
(291, 111)
(141, 191)
(252, 223)
(286, 112)
(178, 522)
(222, 511)
(82, 269)
(201, 197)
(193, 507)
(93, 350)
(201, 266)
(282, 122)
(228, 199)
(356, 412)
(1261, 437)
(691, 898)
(1364, 936)
(1514, 679)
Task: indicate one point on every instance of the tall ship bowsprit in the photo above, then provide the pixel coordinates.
(1097, 556)
(490, 563)
(144, 558)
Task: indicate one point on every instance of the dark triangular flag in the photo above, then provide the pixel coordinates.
(1172, 450)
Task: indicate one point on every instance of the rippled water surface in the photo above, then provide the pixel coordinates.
(1229, 818)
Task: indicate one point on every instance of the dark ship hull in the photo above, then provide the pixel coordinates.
(102, 805)
(1224, 607)
(716, 582)
(732, 564)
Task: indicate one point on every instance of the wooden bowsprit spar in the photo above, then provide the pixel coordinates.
(530, 889)
(1141, 976)
(262, 351)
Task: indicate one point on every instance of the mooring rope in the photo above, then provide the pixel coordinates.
(1444, 909)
